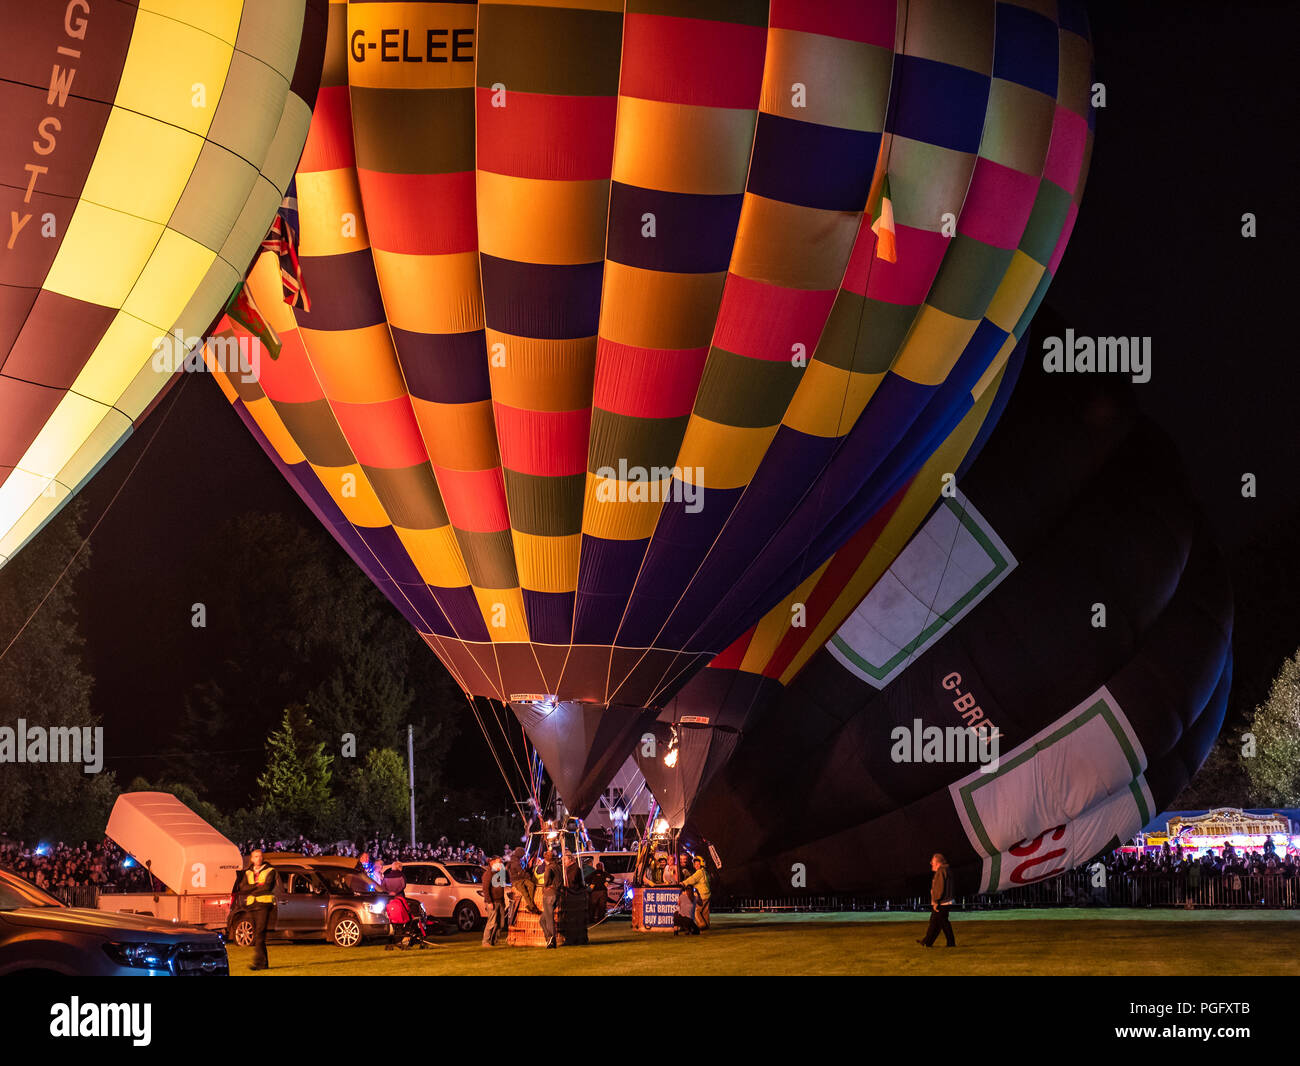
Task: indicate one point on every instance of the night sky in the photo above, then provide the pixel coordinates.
(1201, 102)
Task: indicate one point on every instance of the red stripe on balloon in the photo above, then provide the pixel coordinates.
(765, 321)
(906, 282)
(692, 61)
(563, 138)
(290, 378)
(735, 654)
(871, 21)
(420, 214)
(544, 443)
(384, 434)
(646, 382)
(475, 499)
(329, 138)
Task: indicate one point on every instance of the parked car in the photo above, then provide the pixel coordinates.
(316, 901)
(40, 935)
(448, 890)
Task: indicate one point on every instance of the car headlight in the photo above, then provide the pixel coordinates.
(379, 906)
(140, 956)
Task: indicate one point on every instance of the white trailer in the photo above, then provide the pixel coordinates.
(196, 863)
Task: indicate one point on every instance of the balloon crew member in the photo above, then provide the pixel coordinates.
(522, 885)
(257, 886)
(493, 891)
(699, 881)
(684, 919)
(574, 903)
(941, 900)
(550, 897)
(598, 892)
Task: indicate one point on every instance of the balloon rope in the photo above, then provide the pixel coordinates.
(86, 539)
(492, 748)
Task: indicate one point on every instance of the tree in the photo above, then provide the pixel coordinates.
(1274, 769)
(376, 798)
(295, 786)
(1221, 781)
(292, 619)
(44, 682)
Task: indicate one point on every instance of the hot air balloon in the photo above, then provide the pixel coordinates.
(623, 321)
(1068, 597)
(146, 148)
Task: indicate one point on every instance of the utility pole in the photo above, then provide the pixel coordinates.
(410, 765)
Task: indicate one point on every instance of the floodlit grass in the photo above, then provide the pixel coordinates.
(1027, 942)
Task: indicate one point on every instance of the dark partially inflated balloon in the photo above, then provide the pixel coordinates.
(1068, 598)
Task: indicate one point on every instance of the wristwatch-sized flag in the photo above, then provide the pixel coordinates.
(883, 225)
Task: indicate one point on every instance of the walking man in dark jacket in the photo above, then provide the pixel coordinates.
(941, 900)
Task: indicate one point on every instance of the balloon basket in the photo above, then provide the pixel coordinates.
(570, 928)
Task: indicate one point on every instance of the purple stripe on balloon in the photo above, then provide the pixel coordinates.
(462, 610)
(444, 367)
(541, 300)
(605, 579)
(550, 616)
(680, 544)
(391, 553)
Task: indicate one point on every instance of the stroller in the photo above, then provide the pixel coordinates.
(410, 924)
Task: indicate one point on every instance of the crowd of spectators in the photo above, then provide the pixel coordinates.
(1224, 860)
(385, 850)
(59, 867)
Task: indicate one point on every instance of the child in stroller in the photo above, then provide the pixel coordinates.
(410, 924)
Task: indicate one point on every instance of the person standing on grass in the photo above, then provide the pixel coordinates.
(257, 885)
(941, 900)
(493, 892)
(699, 881)
(550, 897)
(684, 919)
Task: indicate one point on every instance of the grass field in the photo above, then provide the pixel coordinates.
(1028, 942)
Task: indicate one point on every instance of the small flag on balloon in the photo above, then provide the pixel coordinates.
(883, 225)
(243, 310)
(282, 239)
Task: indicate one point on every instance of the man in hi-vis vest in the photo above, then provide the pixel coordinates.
(257, 887)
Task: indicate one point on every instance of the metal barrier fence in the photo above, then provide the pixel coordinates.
(1075, 889)
(77, 895)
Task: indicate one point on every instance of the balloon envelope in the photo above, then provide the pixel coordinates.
(1068, 598)
(145, 149)
(603, 357)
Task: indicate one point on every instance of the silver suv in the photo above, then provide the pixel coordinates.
(314, 901)
(448, 890)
